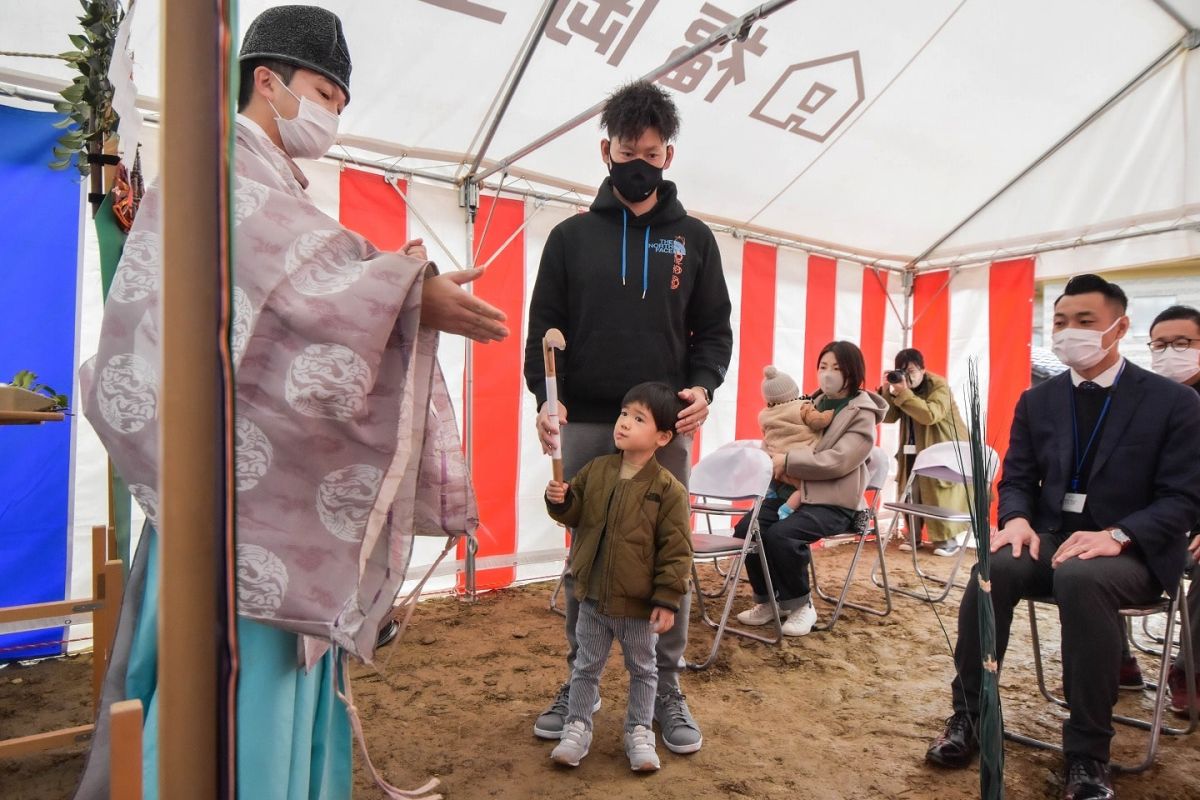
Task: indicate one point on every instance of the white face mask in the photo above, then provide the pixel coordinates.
(311, 132)
(831, 382)
(1081, 349)
(1176, 365)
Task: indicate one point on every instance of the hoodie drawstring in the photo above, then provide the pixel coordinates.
(645, 252)
(646, 263)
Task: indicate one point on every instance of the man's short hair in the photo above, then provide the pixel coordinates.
(850, 363)
(1177, 312)
(636, 107)
(661, 400)
(1086, 284)
(909, 355)
(246, 76)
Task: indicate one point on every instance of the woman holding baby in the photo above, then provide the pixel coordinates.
(823, 480)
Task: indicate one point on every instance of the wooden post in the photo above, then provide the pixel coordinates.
(191, 454)
(125, 750)
(101, 638)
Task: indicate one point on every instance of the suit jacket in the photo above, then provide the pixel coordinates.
(1145, 476)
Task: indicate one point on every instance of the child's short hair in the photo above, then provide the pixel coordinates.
(661, 400)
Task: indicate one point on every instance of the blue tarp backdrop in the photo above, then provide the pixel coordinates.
(39, 209)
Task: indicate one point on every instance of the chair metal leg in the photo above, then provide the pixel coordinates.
(1155, 726)
(841, 602)
(722, 625)
(948, 582)
(558, 587)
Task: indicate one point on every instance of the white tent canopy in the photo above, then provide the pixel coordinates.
(934, 133)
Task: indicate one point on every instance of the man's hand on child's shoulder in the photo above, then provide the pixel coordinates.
(556, 492)
(661, 620)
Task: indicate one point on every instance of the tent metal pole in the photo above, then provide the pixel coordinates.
(469, 200)
(907, 323)
(1167, 55)
(526, 57)
(1173, 13)
(193, 180)
(1190, 225)
(737, 29)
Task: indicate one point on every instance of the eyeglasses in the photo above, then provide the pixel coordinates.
(1178, 345)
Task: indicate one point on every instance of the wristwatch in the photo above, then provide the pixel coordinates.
(1120, 537)
(707, 394)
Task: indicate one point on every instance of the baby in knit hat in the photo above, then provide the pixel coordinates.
(788, 422)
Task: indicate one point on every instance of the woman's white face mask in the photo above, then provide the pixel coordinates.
(311, 132)
(1080, 348)
(831, 381)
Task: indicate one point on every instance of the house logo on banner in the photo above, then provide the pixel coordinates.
(812, 99)
(829, 89)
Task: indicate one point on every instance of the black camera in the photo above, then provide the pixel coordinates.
(895, 376)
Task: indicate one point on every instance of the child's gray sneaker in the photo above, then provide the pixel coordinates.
(574, 744)
(639, 746)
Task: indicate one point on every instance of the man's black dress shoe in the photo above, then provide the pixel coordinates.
(957, 744)
(1087, 779)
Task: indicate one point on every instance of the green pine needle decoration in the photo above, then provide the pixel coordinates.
(979, 491)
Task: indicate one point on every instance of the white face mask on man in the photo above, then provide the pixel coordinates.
(1176, 364)
(311, 132)
(1079, 348)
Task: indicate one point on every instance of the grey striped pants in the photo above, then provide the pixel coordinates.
(595, 633)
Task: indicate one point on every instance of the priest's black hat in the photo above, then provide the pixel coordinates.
(305, 36)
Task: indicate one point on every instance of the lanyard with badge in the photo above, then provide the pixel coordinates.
(1074, 500)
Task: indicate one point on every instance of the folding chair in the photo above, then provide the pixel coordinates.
(877, 465)
(734, 474)
(945, 461)
(1172, 607)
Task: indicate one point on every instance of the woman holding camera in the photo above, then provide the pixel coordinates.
(924, 406)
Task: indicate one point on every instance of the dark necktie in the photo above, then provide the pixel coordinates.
(1090, 386)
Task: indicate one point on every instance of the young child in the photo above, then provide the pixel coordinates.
(632, 557)
(787, 422)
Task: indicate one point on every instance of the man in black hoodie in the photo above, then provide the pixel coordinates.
(636, 287)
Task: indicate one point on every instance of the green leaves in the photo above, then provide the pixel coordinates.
(87, 102)
(28, 380)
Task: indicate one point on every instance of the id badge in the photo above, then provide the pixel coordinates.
(1073, 502)
(910, 449)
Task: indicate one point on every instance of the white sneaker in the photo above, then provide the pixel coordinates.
(761, 614)
(948, 548)
(570, 750)
(800, 622)
(639, 746)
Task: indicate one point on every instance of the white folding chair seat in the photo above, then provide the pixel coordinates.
(721, 485)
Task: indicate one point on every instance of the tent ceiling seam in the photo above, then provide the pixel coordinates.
(1087, 121)
(737, 28)
(861, 114)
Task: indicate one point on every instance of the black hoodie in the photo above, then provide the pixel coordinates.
(637, 298)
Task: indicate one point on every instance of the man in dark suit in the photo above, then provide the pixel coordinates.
(1101, 484)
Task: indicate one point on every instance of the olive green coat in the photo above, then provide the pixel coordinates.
(932, 415)
(648, 558)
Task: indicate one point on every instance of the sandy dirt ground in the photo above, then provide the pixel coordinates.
(841, 714)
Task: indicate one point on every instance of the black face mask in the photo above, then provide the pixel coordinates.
(635, 179)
